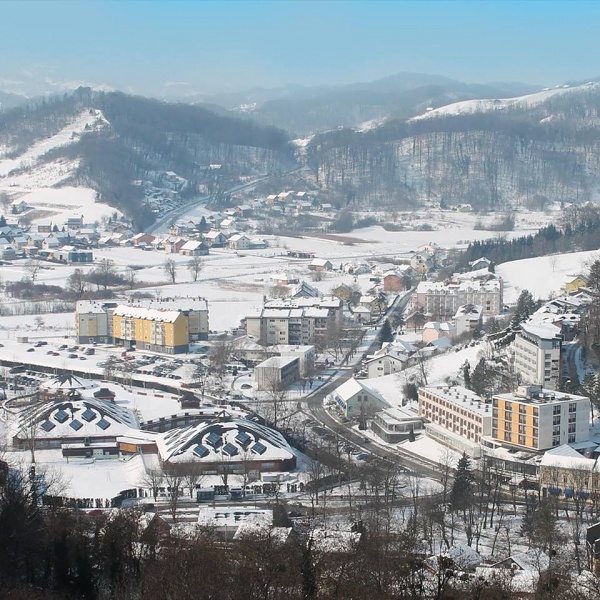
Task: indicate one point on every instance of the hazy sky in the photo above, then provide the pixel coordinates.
(160, 46)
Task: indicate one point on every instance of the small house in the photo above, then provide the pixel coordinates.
(140, 239)
(357, 400)
(194, 248)
(174, 245)
(320, 264)
(239, 241)
(215, 239)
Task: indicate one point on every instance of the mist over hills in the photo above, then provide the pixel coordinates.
(395, 143)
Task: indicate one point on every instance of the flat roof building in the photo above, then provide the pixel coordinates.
(539, 419)
(456, 411)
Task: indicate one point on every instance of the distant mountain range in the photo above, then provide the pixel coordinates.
(395, 143)
(304, 110)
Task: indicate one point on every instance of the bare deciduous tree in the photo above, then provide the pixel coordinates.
(33, 267)
(153, 480)
(170, 269)
(195, 266)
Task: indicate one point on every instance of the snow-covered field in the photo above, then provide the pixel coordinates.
(544, 276)
(30, 178)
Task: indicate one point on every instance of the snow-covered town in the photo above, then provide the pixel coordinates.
(226, 372)
(321, 338)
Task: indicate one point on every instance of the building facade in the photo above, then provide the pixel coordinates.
(277, 373)
(444, 299)
(539, 419)
(459, 412)
(298, 321)
(537, 355)
(166, 326)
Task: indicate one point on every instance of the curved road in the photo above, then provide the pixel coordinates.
(314, 404)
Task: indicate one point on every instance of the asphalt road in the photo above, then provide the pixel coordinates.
(314, 406)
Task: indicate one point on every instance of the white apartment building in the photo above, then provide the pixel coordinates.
(298, 321)
(537, 354)
(444, 299)
(468, 318)
(539, 419)
(457, 417)
(93, 321)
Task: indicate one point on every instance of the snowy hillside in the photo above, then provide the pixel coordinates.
(468, 107)
(36, 180)
(545, 276)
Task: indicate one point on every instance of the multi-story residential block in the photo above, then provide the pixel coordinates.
(444, 299)
(539, 419)
(195, 309)
(537, 354)
(150, 329)
(93, 321)
(457, 417)
(298, 321)
(160, 326)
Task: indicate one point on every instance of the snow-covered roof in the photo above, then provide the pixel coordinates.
(75, 417)
(472, 311)
(461, 397)
(148, 314)
(236, 237)
(350, 388)
(276, 362)
(233, 517)
(545, 331)
(230, 440)
(191, 245)
(68, 383)
(566, 457)
(213, 234)
(334, 540)
(261, 531)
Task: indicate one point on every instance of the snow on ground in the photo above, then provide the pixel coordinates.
(438, 369)
(544, 276)
(488, 104)
(67, 135)
(58, 204)
(428, 448)
(28, 178)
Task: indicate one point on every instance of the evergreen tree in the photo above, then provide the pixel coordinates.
(467, 374)
(386, 334)
(2, 221)
(526, 306)
(594, 276)
(461, 496)
(479, 378)
(203, 226)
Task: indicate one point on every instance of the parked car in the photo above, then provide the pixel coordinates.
(72, 355)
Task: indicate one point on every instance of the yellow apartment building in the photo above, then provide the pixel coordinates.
(156, 330)
(539, 419)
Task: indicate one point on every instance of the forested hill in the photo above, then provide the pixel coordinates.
(544, 147)
(141, 140)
